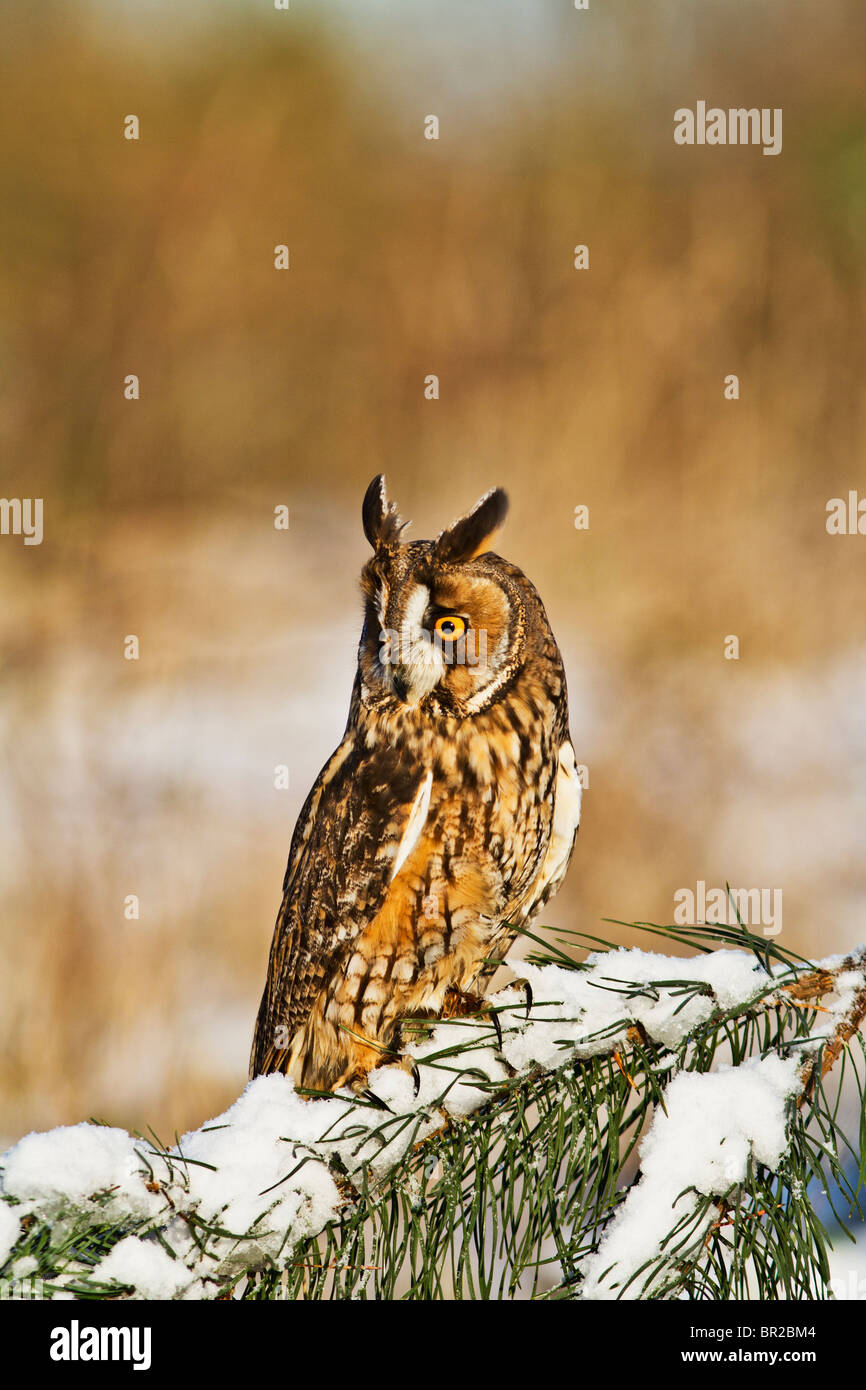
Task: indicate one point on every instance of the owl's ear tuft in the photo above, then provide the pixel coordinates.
(382, 524)
(471, 534)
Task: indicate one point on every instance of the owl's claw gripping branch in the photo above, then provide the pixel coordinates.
(462, 1005)
(526, 987)
(459, 1004)
(377, 1101)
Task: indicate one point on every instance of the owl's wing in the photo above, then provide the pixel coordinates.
(563, 833)
(365, 813)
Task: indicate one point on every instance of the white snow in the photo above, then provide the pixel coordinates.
(590, 1011)
(10, 1229)
(72, 1164)
(248, 1148)
(714, 1122)
(449, 1081)
(146, 1265)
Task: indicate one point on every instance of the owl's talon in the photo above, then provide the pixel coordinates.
(416, 1081)
(527, 990)
(379, 1103)
(461, 1005)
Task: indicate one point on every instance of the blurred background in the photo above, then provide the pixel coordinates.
(601, 388)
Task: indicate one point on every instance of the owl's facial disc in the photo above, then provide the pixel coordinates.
(453, 632)
(413, 662)
(444, 618)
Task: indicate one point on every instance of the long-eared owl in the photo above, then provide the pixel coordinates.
(445, 818)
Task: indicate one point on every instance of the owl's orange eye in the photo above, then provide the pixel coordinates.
(450, 626)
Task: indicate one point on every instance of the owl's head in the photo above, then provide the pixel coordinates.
(446, 620)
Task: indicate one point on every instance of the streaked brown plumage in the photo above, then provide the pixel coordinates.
(445, 818)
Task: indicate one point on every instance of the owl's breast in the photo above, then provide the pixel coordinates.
(491, 811)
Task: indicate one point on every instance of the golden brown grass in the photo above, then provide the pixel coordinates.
(603, 388)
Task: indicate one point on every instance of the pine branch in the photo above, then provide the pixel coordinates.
(688, 1264)
(848, 1024)
(510, 1173)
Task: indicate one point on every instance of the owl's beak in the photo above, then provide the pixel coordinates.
(412, 680)
(409, 685)
(412, 663)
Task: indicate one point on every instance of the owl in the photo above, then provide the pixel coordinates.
(444, 820)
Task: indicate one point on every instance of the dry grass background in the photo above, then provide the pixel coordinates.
(603, 388)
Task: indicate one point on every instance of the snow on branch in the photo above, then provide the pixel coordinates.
(276, 1168)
